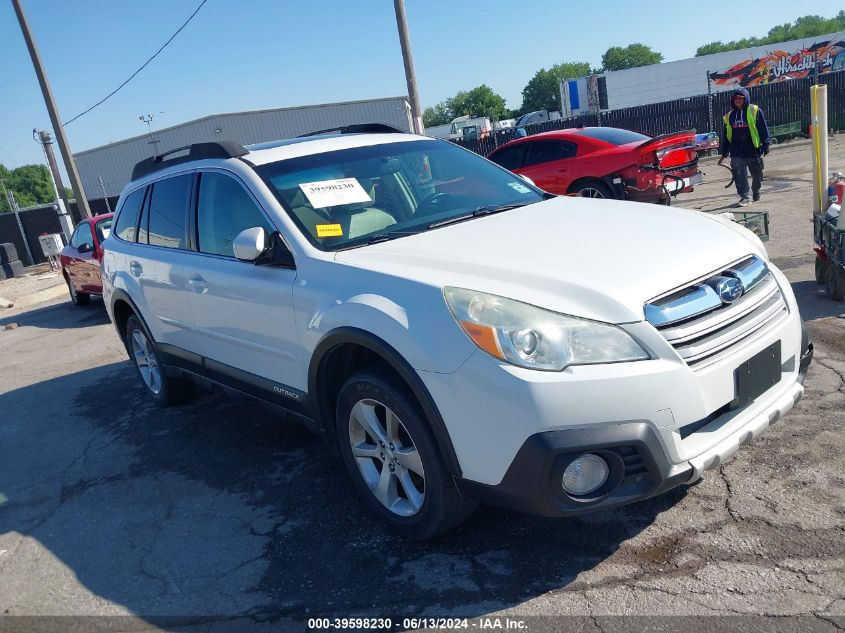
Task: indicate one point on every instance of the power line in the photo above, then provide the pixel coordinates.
(146, 63)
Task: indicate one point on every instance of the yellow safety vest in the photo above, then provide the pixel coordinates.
(752, 125)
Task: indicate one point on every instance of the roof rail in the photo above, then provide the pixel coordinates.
(197, 151)
(358, 128)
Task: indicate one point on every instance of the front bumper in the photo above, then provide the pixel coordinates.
(515, 430)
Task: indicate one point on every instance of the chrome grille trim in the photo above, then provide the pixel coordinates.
(703, 335)
(715, 320)
(732, 334)
(700, 296)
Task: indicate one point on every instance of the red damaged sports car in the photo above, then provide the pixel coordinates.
(605, 162)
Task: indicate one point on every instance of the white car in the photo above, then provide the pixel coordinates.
(456, 334)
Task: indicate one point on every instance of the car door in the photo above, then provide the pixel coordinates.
(549, 164)
(158, 260)
(80, 264)
(244, 312)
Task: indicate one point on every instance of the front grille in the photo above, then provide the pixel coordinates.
(701, 328)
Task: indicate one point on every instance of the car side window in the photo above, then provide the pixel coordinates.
(168, 210)
(103, 228)
(82, 235)
(127, 217)
(510, 157)
(224, 209)
(547, 151)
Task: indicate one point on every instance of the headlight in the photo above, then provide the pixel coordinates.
(527, 336)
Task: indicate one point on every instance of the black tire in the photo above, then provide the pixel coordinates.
(8, 253)
(821, 270)
(167, 390)
(443, 507)
(593, 189)
(77, 298)
(836, 282)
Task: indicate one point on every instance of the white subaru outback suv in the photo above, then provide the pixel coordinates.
(456, 334)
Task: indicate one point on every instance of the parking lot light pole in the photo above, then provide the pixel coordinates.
(408, 59)
(58, 129)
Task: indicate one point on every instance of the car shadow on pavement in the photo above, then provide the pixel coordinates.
(59, 315)
(219, 508)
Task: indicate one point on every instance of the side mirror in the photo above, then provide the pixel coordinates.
(527, 179)
(250, 244)
(254, 245)
(85, 248)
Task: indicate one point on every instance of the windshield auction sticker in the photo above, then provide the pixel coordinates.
(330, 193)
(519, 187)
(329, 230)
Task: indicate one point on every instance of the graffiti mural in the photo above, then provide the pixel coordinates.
(779, 65)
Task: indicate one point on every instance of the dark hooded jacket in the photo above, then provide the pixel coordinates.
(740, 144)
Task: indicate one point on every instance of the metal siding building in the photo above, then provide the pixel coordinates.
(114, 162)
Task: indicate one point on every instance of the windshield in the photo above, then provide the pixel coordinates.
(351, 197)
(613, 135)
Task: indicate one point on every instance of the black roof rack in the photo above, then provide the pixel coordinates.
(197, 151)
(358, 128)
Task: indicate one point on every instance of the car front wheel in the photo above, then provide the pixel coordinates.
(390, 454)
(76, 297)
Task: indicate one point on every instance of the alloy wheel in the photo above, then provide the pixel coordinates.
(387, 457)
(146, 360)
(590, 192)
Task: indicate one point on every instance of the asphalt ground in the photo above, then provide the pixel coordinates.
(151, 518)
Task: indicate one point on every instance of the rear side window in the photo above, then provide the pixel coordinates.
(168, 211)
(613, 135)
(127, 218)
(224, 210)
(547, 151)
(510, 157)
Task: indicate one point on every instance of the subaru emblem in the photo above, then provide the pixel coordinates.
(729, 289)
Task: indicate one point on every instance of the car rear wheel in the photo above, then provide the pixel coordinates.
(593, 189)
(393, 461)
(76, 297)
(164, 390)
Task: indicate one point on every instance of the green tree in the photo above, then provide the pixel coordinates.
(631, 56)
(30, 183)
(542, 92)
(438, 114)
(805, 26)
(480, 101)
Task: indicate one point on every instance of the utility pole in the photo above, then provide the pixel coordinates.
(408, 59)
(62, 205)
(46, 141)
(58, 129)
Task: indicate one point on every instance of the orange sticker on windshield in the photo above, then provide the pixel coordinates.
(329, 230)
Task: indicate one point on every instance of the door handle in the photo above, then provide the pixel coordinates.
(196, 282)
(136, 269)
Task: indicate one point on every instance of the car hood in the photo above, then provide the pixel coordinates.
(597, 259)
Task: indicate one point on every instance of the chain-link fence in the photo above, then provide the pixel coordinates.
(35, 221)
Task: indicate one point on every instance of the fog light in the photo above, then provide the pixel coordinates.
(585, 475)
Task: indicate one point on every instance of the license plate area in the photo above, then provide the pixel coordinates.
(757, 375)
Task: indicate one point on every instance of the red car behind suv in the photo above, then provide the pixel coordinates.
(605, 162)
(81, 258)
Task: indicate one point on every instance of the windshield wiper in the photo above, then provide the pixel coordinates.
(485, 209)
(378, 237)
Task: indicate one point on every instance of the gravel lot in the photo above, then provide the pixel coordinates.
(112, 507)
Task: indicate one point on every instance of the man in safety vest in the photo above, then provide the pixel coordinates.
(746, 140)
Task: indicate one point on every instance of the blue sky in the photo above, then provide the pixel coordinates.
(252, 54)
